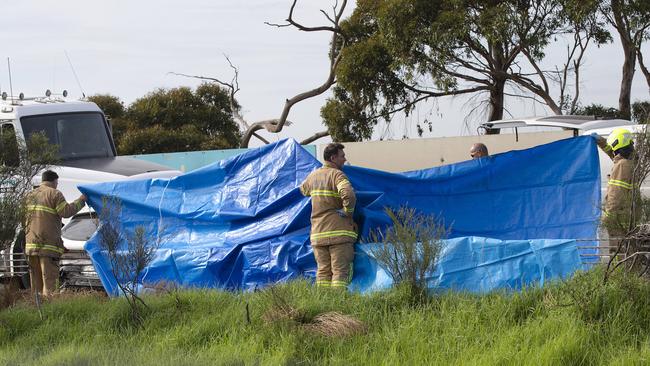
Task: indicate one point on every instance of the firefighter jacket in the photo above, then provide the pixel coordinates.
(45, 208)
(620, 190)
(332, 206)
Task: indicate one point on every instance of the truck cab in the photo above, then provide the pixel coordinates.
(87, 154)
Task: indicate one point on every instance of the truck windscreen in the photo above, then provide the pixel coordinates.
(79, 135)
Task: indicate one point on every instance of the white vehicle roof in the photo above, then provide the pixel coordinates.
(607, 130)
(567, 122)
(14, 109)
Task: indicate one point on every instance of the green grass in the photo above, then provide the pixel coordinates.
(571, 323)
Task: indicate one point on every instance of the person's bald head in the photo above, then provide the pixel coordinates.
(478, 150)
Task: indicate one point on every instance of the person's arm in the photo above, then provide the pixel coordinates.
(305, 189)
(602, 144)
(346, 192)
(65, 209)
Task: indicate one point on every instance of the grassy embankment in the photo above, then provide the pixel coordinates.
(567, 323)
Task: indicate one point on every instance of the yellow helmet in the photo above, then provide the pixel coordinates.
(619, 138)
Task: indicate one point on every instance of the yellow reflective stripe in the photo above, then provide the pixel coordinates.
(342, 184)
(323, 283)
(339, 284)
(41, 208)
(329, 234)
(619, 183)
(325, 193)
(348, 209)
(61, 206)
(44, 246)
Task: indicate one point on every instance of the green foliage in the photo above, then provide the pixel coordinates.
(128, 254)
(346, 120)
(400, 52)
(537, 326)
(20, 162)
(114, 110)
(157, 139)
(599, 111)
(112, 106)
(208, 108)
(171, 120)
(409, 247)
(641, 112)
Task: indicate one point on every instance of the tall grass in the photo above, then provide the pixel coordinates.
(548, 326)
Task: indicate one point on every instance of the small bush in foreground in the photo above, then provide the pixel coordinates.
(408, 249)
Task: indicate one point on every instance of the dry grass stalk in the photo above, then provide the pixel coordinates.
(335, 324)
(283, 314)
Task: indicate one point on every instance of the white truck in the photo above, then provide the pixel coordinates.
(87, 155)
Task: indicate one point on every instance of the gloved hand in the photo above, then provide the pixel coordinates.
(600, 141)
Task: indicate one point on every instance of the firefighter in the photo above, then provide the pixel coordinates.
(620, 191)
(333, 232)
(44, 246)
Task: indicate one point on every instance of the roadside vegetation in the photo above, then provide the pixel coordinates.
(576, 322)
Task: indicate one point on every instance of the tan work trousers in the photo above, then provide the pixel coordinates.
(334, 265)
(43, 274)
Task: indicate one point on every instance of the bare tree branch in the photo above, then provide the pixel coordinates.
(261, 138)
(328, 16)
(337, 43)
(233, 87)
(644, 69)
(314, 137)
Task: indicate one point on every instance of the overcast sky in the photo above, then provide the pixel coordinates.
(127, 48)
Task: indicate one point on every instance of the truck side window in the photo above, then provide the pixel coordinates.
(9, 154)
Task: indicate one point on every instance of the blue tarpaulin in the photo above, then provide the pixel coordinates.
(242, 223)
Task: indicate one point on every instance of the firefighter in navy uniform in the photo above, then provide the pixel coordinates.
(43, 244)
(333, 232)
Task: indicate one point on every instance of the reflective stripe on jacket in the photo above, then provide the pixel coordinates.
(332, 206)
(620, 191)
(45, 208)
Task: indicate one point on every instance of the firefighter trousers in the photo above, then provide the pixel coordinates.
(334, 265)
(43, 274)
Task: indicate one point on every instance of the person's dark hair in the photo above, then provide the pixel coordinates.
(626, 151)
(331, 150)
(49, 176)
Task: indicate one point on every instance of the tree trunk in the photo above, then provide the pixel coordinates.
(629, 52)
(624, 103)
(643, 68)
(497, 99)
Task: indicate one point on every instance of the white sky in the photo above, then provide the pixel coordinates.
(127, 48)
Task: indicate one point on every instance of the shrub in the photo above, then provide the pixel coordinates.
(409, 248)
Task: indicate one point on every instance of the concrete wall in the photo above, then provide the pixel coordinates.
(406, 155)
(392, 156)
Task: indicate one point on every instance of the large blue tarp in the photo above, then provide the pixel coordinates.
(242, 223)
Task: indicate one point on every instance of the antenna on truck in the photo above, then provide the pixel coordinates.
(75, 74)
(11, 88)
